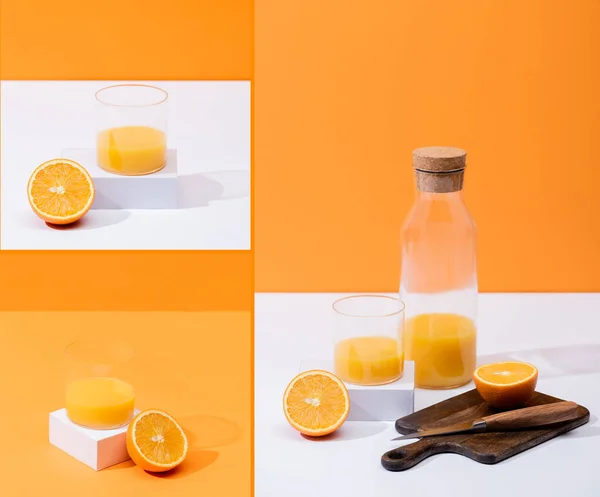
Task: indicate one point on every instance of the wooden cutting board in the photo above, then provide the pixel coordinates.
(486, 448)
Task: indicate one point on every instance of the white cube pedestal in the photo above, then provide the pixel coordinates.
(378, 403)
(158, 190)
(98, 449)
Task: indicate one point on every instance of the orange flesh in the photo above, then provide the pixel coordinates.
(60, 190)
(316, 403)
(158, 439)
(505, 373)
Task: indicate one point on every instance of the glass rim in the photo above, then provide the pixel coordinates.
(400, 310)
(129, 85)
(129, 356)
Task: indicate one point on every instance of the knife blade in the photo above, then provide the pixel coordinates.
(528, 417)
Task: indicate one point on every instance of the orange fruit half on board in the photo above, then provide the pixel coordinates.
(156, 442)
(316, 403)
(60, 191)
(505, 385)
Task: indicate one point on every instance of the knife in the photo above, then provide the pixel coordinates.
(528, 417)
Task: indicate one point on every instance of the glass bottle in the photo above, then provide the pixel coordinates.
(438, 281)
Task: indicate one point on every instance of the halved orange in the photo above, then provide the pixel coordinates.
(506, 384)
(316, 403)
(60, 191)
(156, 442)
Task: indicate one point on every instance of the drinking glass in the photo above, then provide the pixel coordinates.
(131, 127)
(368, 339)
(98, 390)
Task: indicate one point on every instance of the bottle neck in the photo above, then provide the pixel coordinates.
(423, 196)
(441, 183)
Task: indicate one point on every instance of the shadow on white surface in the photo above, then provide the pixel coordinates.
(352, 430)
(531, 452)
(425, 397)
(588, 430)
(91, 221)
(585, 431)
(553, 362)
(199, 190)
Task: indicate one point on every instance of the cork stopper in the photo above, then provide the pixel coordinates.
(439, 169)
(439, 159)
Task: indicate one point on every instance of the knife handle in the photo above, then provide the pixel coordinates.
(529, 417)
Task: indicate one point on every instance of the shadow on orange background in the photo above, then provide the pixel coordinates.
(196, 460)
(203, 432)
(346, 90)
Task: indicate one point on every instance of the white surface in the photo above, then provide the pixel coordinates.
(98, 449)
(560, 333)
(375, 403)
(209, 125)
(114, 191)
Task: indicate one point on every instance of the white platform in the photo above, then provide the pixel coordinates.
(113, 191)
(98, 449)
(375, 403)
(560, 333)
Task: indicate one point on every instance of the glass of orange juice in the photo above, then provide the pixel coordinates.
(131, 129)
(368, 339)
(98, 391)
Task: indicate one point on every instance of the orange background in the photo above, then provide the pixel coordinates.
(126, 39)
(345, 90)
(126, 280)
(194, 365)
(117, 39)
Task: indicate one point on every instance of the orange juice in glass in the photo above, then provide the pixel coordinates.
(132, 129)
(368, 347)
(98, 394)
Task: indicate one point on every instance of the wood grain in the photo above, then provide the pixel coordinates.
(486, 448)
(542, 415)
